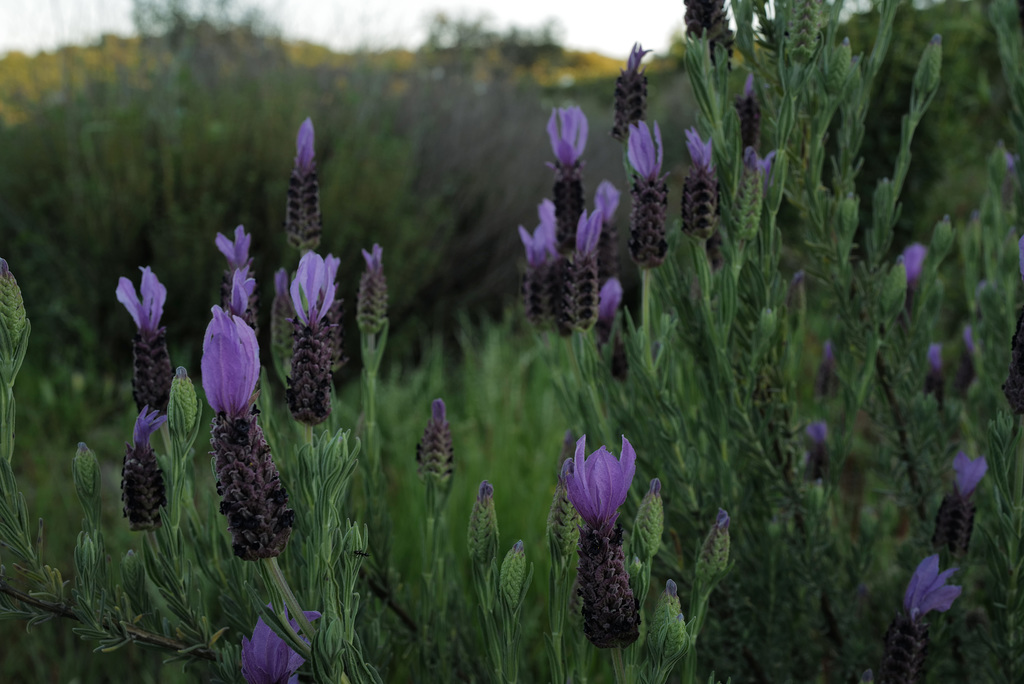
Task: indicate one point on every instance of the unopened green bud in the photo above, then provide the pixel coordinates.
(894, 292)
(482, 536)
(838, 67)
(714, 556)
(750, 199)
(12, 305)
(133, 575)
(650, 521)
(86, 471)
(767, 324)
(942, 238)
(183, 407)
(563, 524)
(676, 638)
(849, 214)
(513, 573)
(805, 25)
(929, 68)
(665, 612)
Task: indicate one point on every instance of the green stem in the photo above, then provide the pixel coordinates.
(620, 671)
(7, 421)
(647, 275)
(307, 434)
(294, 609)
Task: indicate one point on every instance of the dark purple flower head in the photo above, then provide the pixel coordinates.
(230, 364)
(722, 520)
(146, 312)
(748, 86)
(313, 288)
(700, 151)
(609, 300)
(818, 431)
(968, 473)
(304, 147)
(935, 356)
(242, 288)
(536, 247)
(569, 139)
(969, 339)
(281, 282)
(598, 484)
(606, 200)
(928, 591)
(588, 232)
(146, 424)
(374, 258)
(645, 154)
(267, 659)
(913, 260)
(236, 252)
(636, 55)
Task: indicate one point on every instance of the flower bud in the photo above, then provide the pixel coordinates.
(838, 67)
(894, 292)
(664, 615)
(133, 575)
(513, 573)
(86, 471)
(926, 80)
(942, 237)
(650, 520)
(482, 536)
(714, 556)
(372, 301)
(676, 637)
(12, 305)
(563, 523)
(183, 409)
(849, 214)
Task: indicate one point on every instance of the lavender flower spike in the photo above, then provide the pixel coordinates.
(236, 252)
(568, 140)
(230, 364)
(645, 154)
(267, 658)
(142, 483)
(928, 591)
(700, 151)
(304, 152)
(598, 484)
(313, 288)
(146, 312)
(968, 473)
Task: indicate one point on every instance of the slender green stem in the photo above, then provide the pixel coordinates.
(307, 433)
(620, 671)
(294, 609)
(7, 422)
(645, 307)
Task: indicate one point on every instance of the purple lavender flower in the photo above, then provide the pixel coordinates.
(152, 375)
(714, 555)
(934, 382)
(313, 288)
(548, 225)
(267, 658)
(935, 356)
(435, 453)
(969, 339)
(749, 111)
(372, 300)
(968, 473)
(630, 93)
(598, 484)
(230, 364)
(753, 163)
(928, 591)
(242, 289)
(700, 189)
(567, 129)
(237, 251)
(142, 483)
(588, 232)
(825, 382)
(610, 299)
(304, 147)
(536, 247)
(579, 298)
(146, 312)
(913, 262)
(281, 282)
(700, 151)
(606, 201)
(645, 154)
(818, 431)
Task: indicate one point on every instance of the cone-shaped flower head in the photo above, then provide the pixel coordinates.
(611, 298)
(968, 473)
(142, 483)
(700, 189)
(242, 289)
(645, 154)
(606, 200)
(928, 590)
(434, 453)
(147, 310)
(267, 658)
(230, 364)
(567, 129)
(313, 288)
(588, 232)
(598, 484)
(563, 521)
(630, 93)
(482, 536)
(513, 574)
(913, 261)
(12, 304)
(749, 110)
(237, 251)
(714, 555)
(372, 300)
(650, 522)
(304, 147)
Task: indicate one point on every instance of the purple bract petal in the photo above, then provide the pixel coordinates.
(636, 55)
(645, 153)
(146, 312)
(818, 431)
(913, 261)
(606, 200)
(968, 473)
(485, 492)
(547, 227)
(588, 232)
(267, 658)
(281, 282)
(969, 339)
(748, 86)
(935, 356)
(312, 289)
(598, 484)
(237, 251)
(700, 151)
(374, 258)
(609, 300)
(722, 520)
(536, 251)
(146, 424)
(230, 363)
(242, 287)
(304, 147)
(828, 354)
(438, 411)
(927, 590)
(568, 140)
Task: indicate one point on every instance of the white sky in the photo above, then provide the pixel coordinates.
(601, 25)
